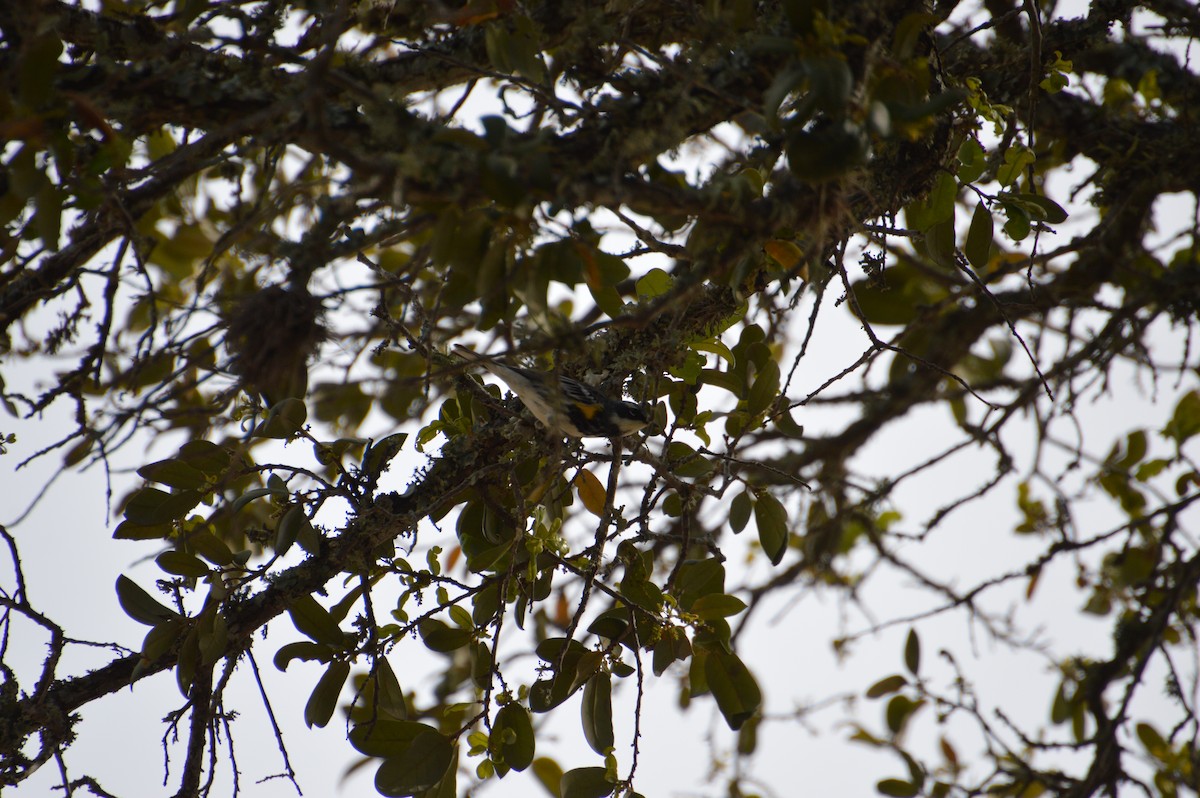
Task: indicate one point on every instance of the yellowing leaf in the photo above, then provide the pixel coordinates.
(591, 492)
(785, 253)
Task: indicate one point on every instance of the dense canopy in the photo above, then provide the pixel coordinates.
(907, 289)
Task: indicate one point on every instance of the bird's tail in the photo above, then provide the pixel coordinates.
(468, 354)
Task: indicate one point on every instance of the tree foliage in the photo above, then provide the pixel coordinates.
(233, 225)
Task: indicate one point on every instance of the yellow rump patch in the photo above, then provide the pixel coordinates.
(589, 411)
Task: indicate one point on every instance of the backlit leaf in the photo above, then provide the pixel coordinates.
(764, 390)
(733, 686)
(771, 519)
(151, 506)
(596, 711)
(314, 621)
(323, 700)
(739, 511)
(897, 788)
(140, 605)
(517, 753)
(181, 564)
(912, 652)
(591, 782)
(886, 686)
(591, 492)
(420, 766)
(978, 247)
(717, 605)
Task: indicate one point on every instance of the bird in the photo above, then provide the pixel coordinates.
(569, 406)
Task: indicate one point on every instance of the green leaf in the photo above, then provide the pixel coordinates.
(517, 753)
(546, 694)
(1042, 208)
(1151, 468)
(323, 701)
(150, 506)
(602, 272)
(687, 462)
(1019, 224)
(826, 153)
(462, 619)
(699, 578)
(128, 531)
(972, 161)
(386, 695)
(897, 788)
(291, 525)
(140, 605)
(1150, 737)
(210, 547)
(37, 68)
(1185, 421)
(385, 738)
(978, 247)
(886, 686)
(653, 283)
(48, 218)
(1056, 80)
(899, 709)
(249, 496)
(314, 621)
(447, 787)
(187, 662)
(1016, 159)
(912, 652)
(747, 739)
(304, 650)
(764, 390)
(739, 511)
(786, 423)
(939, 242)
(585, 783)
(205, 456)
(163, 637)
(284, 419)
(182, 564)
(771, 519)
(717, 605)
(909, 31)
(941, 198)
(173, 473)
(422, 764)
(785, 83)
(214, 634)
(441, 637)
(596, 712)
(896, 296)
(380, 453)
(721, 379)
(733, 686)
(672, 647)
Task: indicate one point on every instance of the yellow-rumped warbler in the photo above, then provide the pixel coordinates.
(570, 407)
